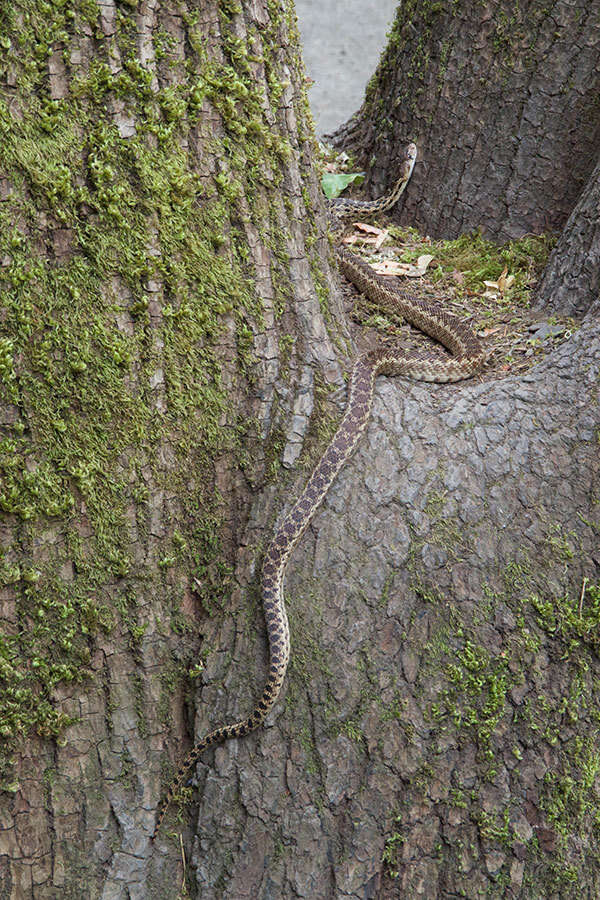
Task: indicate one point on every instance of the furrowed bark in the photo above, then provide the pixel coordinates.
(502, 100)
(570, 284)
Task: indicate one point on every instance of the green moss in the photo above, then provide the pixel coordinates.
(559, 542)
(211, 573)
(478, 259)
(392, 851)
(171, 678)
(308, 656)
(471, 706)
(50, 646)
(575, 620)
(322, 425)
(108, 331)
(570, 797)
(476, 696)
(286, 347)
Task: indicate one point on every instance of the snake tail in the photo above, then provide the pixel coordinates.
(219, 736)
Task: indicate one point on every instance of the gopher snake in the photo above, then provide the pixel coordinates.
(468, 357)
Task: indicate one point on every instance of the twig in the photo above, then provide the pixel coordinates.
(184, 891)
(585, 581)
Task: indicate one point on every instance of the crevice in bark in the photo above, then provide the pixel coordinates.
(571, 282)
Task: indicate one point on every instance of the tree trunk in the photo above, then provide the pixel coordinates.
(446, 640)
(502, 100)
(164, 295)
(163, 350)
(571, 281)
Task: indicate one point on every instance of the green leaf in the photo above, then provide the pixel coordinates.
(334, 183)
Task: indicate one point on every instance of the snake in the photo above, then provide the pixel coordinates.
(468, 356)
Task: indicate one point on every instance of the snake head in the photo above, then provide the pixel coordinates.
(410, 155)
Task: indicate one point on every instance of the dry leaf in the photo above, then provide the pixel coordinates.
(502, 280)
(389, 267)
(381, 237)
(394, 267)
(423, 262)
(370, 235)
(369, 229)
(503, 284)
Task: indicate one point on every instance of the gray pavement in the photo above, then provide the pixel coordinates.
(342, 42)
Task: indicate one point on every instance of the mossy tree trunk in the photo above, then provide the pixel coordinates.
(163, 346)
(164, 294)
(502, 100)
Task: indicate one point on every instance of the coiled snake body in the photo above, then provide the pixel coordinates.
(468, 357)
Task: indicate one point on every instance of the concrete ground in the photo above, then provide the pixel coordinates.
(342, 40)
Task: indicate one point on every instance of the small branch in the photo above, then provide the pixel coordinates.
(585, 581)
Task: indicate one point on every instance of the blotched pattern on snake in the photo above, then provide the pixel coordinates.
(468, 357)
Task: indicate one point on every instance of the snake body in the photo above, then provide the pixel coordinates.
(468, 357)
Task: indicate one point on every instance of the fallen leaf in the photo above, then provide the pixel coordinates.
(503, 284)
(389, 267)
(381, 238)
(370, 235)
(423, 262)
(408, 270)
(502, 280)
(369, 229)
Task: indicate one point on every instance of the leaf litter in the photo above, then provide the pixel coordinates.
(485, 285)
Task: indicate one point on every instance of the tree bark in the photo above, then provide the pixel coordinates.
(162, 336)
(164, 357)
(502, 100)
(446, 647)
(571, 281)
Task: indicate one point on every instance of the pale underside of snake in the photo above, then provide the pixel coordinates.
(467, 357)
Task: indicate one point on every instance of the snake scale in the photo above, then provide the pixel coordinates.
(468, 356)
